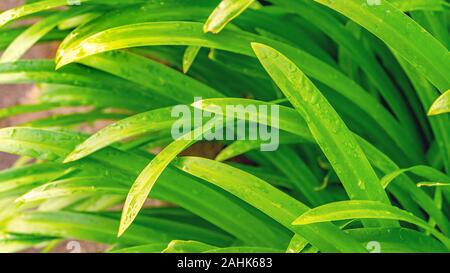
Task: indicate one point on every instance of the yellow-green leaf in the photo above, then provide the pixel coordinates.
(441, 105)
(226, 11)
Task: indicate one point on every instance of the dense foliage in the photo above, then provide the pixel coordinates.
(364, 155)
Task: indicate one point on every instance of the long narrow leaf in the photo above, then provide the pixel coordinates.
(327, 128)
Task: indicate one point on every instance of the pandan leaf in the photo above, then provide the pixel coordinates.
(363, 209)
(441, 105)
(147, 178)
(396, 29)
(189, 57)
(33, 34)
(426, 172)
(226, 11)
(267, 199)
(325, 125)
(352, 81)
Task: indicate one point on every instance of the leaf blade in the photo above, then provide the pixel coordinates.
(226, 11)
(441, 105)
(325, 125)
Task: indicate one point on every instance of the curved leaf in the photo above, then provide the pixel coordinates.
(330, 132)
(291, 121)
(280, 206)
(364, 209)
(151, 121)
(424, 171)
(34, 33)
(189, 57)
(189, 33)
(397, 29)
(173, 187)
(147, 178)
(226, 11)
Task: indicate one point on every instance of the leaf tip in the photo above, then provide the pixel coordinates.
(61, 60)
(59, 65)
(207, 28)
(197, 104)
(433, 111)
(303, 219)
(221, 157)
(20, 200)
(74, 156)
(121, 230)
(298, 222)
(441, 105)
(257, 46)
(124, 222)
(261, 50)
(185, 69)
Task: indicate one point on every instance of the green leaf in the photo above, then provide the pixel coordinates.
(189, 33)
(328, 129)
(397, 30)
(43, 71)
(411, 5)
(8, 35)
(301, 177)
(244, 249)
(151, 74)
(73, 119)
(187, 247)
(78, 20)
(151, 121)
(428, 94)
(278, 205)
(364, 209)
(433, 184)
(360, 54)
(25, 108)
(397, 240)
(291, 121)
(239, 147)
(25, 10)
(10, 243)
(28, 141)
(226, 11)
(72, 186)
(147, 178)
(189, 57)
(66, 95)
(441, 105)
(150, 248)
(14, 178)
(424, 171)
(21, 11)
(297, 244)
(173, 187)
(374, 66)
(101, 228)
(34, 33)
